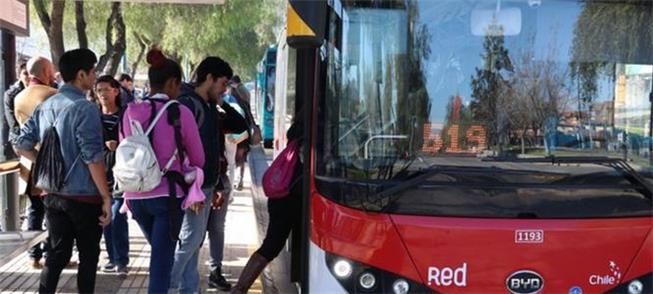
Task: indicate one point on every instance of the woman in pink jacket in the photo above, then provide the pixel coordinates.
(158, 212)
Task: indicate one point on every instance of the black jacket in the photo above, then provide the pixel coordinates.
(212, 127)
(8, 116)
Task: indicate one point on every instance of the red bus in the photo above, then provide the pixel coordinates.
(482, 146)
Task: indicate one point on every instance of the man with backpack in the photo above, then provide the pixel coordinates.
(212, 75)
(70, 170)
(41, 75)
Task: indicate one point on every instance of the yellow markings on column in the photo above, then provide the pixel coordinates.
(296, 25)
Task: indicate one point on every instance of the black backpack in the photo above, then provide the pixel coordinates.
(49, 173)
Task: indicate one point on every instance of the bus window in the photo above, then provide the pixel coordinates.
(414, 88)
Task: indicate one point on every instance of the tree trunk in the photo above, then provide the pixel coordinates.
(81, 24)
(120, 43)
(52, 24)
(102, 62)
(142, 45)
(108, 63)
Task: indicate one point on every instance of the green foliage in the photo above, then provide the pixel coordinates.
(609, 33)
(238, 31)
(488, 85)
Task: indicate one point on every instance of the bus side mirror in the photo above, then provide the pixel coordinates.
(306, 23)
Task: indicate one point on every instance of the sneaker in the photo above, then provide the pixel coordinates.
(108, 267)
(216, 280)
(239, 187)
(122, 271)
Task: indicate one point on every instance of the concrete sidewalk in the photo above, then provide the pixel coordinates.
(241, 239)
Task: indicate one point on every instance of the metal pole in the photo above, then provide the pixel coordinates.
(9, 204)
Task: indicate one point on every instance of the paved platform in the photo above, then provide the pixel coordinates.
(242, 238)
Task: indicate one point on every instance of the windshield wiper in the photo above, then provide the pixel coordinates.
(386, 196)
(618, 164)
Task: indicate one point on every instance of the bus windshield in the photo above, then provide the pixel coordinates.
(488, 108)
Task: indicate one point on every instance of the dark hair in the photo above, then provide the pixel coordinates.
(125, 77)
(215, 66)
(73, 61)
(113, 83)
(236, 79)
(161, 69)
(22, 66)
(109, 80)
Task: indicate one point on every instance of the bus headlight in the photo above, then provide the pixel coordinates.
(342, 269)
(635, 287)
(367, 281)
(356, 277)
(400, 286)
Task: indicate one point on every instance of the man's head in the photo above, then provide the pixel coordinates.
(214, 73)
(78, 67)
(235, 80)
(41, 68)
(23, 75)
(107, 90)
(126, 81)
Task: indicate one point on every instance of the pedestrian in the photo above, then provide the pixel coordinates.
(41, 75)
(233, 140)
(284, 218)
(126, 89)
(212, 75)
(116, 234)
(159, 211)
(70, 170)
(240, 92)
(229, 122)
(10, 127)
(41, 78)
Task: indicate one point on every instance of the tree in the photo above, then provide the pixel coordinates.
(81, 24)
(142, 45)
(237, 31)
(115, 49)
(607, 33)
(487, 86)
(52, 23)
(536, 98)
(414, 107)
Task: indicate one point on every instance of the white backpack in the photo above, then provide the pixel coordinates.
(136, 168)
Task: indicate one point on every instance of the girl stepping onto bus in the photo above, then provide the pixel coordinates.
(285, 217)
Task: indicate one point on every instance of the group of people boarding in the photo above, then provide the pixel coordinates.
(87, 165)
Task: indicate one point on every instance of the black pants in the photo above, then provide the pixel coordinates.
(70, 221)
(35, 215)
(285, 217)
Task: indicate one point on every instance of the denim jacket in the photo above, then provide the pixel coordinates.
(79, 127)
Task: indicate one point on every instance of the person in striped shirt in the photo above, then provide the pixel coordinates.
(116, 234)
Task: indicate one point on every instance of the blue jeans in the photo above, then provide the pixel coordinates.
(215, 227)
(153, 216)
(185, 275)
(116, 235)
